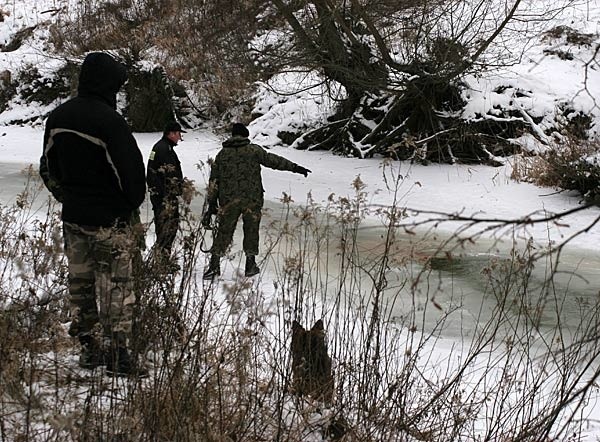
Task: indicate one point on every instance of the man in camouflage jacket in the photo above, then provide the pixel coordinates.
(235, 189)
(91, 164)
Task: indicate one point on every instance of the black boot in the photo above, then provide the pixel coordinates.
(91, 355)
(214, 268)
(121, 363)
(251, 267)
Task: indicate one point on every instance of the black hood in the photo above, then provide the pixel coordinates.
(101, 76)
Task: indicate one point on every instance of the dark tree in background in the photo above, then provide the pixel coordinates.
(399, 63)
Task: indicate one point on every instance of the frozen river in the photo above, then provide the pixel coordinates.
(430, 277)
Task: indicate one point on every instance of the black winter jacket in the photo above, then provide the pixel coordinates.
(91, 162)
(164, 173)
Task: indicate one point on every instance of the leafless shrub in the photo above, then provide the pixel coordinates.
(571, 165)
(220, 359)
(200, 43)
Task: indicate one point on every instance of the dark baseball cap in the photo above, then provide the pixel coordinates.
(173, 126)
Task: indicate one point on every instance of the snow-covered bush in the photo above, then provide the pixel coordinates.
(289, 105)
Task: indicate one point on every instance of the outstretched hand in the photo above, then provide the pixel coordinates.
(303, 171)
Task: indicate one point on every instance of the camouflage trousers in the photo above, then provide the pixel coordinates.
(228, 216)
(100, 280)
(166, 224)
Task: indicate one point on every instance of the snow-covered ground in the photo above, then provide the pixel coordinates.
(538, 86)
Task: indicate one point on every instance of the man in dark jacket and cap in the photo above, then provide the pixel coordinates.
(92, 165)
(235, 189)
(165, 183)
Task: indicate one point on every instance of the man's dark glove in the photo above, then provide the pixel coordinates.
(302, 170)
(207, 220)
(207, 217)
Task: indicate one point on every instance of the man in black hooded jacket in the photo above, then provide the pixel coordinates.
(91, 164)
